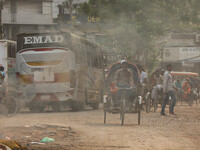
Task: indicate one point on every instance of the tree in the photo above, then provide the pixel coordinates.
(138, 25)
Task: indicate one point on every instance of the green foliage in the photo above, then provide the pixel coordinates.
(138, 25)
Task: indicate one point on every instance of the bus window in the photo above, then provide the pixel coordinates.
(89, 57)
(95, 56)
(99, 59)
(85, 55)
(11, 50)
(75, 49)
(92, 57)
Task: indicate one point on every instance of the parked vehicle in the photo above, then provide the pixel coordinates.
(190, 91)
(8, 84)
(59, 69)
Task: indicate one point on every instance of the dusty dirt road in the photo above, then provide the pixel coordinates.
(85, 130)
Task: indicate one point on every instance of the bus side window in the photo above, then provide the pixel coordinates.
(78, 53)
(95, 56)
(74, 49)
(100, 58)
(89, 56)
(92, 57)
(83, 54)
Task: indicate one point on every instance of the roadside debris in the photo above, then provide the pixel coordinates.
(42, 136)
(7, 138)
(12, 145)
(47, 139)
(37, 143)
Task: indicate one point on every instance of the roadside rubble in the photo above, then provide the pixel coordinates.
(42, 136)
(11, 145)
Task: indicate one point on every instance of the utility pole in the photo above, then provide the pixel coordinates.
(1, 24)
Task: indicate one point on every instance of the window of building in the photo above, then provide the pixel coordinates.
(46, 8)
(11, 50)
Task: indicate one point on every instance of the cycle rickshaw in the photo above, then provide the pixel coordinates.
(124, 104)
(189, 91)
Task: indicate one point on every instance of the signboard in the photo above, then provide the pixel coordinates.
(188, 52)
(35, 40)
(171, 54)
(93, 19)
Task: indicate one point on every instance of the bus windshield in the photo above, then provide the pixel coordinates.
(44, 58)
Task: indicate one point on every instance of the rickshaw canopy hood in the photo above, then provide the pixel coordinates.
(117, 66)
(184, 73)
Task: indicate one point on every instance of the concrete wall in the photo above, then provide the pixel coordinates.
(173, 49)
(26, 16)
(180, 48)
(25, 12)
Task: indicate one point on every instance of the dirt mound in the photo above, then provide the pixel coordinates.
(31, 136)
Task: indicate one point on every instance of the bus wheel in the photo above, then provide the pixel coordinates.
(95, 106)
(55, 107)
(77, 106)
(37, 108)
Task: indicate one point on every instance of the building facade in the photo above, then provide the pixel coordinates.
(20, 16)
(183, 50)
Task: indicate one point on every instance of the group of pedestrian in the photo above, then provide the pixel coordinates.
(161, 82)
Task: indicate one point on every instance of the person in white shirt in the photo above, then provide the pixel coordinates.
(168, 91)
(143, 76)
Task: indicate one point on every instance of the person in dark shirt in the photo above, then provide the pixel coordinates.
(124, 79)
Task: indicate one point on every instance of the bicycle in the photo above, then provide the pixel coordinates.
(159, 97)
(10, 107)
(125, 104)
(146, 97)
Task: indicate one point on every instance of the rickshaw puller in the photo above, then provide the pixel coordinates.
(124, 79)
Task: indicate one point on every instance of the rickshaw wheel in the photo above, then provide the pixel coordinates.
(105, 109)
(190, 100)
(155, 104)
(148, 103)
(139, 113)
(122, 111)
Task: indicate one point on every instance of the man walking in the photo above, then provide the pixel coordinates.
(168, 91)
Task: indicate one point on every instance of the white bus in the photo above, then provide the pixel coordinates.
(58, 69)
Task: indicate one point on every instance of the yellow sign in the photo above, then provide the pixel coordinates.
(93, 19)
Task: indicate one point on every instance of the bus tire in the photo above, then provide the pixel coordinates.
(37, 108)
(95, 106)
(77, 106)
(55, 107)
